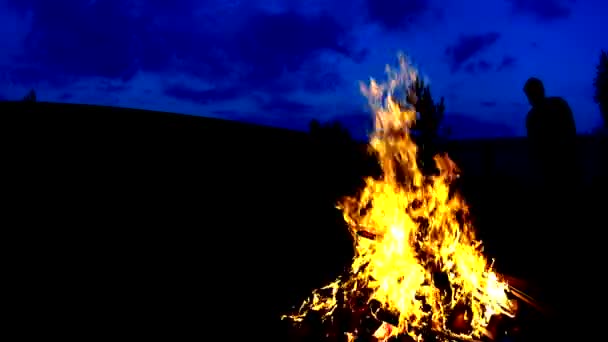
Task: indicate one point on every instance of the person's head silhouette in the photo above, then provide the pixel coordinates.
(534, 90)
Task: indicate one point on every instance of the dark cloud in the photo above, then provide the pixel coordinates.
(468, 46)
(483, 65)
(284, 107)
(268, 45)
(470, 68)
(184, 92)
(543, 10)
(488, 103)
(115, 39)
(108, 87)
(327, 81)
(520, 106)
(451, 90)
(75, 38)
(506, 63)
(478, 66)
(65, 96)
(396, 14)
(465, 126)
(319, 77)
(31, 75)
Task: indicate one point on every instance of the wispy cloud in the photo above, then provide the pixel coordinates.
(469, 46)
(543, 10)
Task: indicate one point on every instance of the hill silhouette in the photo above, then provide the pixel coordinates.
(174, 218)
(153, 208)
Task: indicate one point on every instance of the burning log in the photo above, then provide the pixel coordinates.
(499, 325)
(367, 234)
(458, 325)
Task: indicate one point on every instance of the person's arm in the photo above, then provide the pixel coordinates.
(532, 134)
(530, 127)
(568, 120)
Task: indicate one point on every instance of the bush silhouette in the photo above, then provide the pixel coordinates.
(30, 97)
(332, 132)
(601, 86)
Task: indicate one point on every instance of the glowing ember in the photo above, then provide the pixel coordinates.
(416, 255)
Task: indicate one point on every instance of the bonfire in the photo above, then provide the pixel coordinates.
(418, 268)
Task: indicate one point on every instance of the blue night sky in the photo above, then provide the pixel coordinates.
(285, 62)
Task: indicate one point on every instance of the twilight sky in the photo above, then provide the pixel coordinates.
(285, 62)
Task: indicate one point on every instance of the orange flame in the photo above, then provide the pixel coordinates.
(414, 220)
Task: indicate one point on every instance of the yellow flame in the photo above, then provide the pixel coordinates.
(416, 232)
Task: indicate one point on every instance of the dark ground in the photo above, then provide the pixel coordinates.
(175, 226)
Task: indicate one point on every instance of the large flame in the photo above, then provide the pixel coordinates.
(407, 228)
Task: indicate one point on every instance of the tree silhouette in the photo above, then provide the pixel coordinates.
(601, 86)
(333, 132)
(425, 130)
(30, 97)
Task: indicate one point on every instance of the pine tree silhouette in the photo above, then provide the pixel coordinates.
(426, 128)
(601, 86)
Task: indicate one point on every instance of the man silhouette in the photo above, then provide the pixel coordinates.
(551, 136)
(552, 141)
